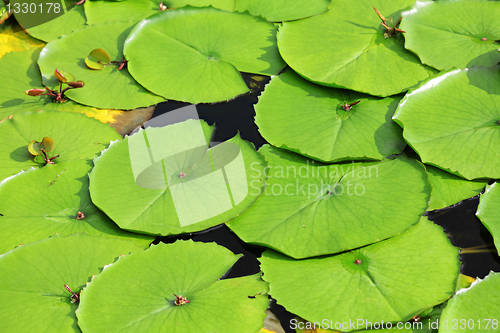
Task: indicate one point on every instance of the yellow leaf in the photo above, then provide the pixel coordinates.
(16, 41)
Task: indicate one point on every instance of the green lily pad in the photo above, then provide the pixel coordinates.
(451, 122)
(102, 11)
(346, 48)
(475, 309)
(193, 270)
(448, 34)
(177, 185)
(373, 283)
(448, 189)
(326, 209)
(109, 88)
(32, 279)
(298, 115)
(19, 73)
(62, 25)
(488, 212)
(195, 54)
(97, 59)
(278, 11)
(70, 142)
(35, 204)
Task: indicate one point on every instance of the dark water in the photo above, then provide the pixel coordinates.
(459, 222)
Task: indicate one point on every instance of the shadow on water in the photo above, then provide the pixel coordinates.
(466, 231)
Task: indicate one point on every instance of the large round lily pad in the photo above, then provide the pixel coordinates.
(474, 309)
(346, 47)
(298, 115)
(166, 181)
(108, 88)
(446, 34)
(75, 136)
(448, 189)
(452, 121)
(195, 54)
(54, 199)
(393, 280)
(32, 278)
(62, 25)
(104, 10)
(488, 212)
(152, 280)
(311, 209)
(283, 10)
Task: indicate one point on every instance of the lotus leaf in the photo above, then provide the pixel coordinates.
(346, 48)
(102, 11)
(70, 142)
(452, 121)
(278, 11)
(448, 189)
(188, 269)
(63, 25)
(446, 34)
(195, 54)
(488, 212)
(109, 88)
(35, 204)
(298, 115)
(326, 209)
(177, 185)
(370, 284)
(474, 309)
(32, 279)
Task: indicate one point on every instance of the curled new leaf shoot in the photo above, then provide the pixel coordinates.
(37, 148)
(63, 76)
(390, 30)
(97, 59)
